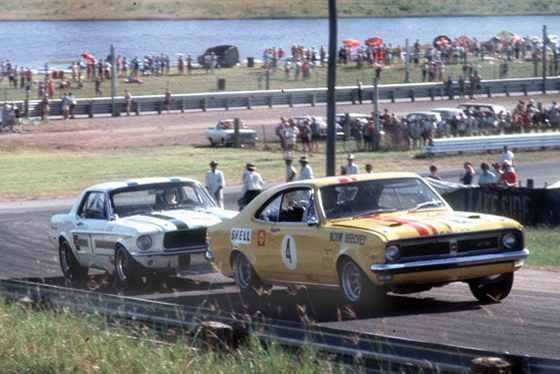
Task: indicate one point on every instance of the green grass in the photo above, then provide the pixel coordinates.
(544, 244)
(51, 340)
(37, 173)
(239, 9)
(242, 78)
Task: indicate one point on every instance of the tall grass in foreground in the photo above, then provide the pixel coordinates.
(52, 340)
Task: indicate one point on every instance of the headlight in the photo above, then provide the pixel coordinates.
(509, 240)
(393, 253)
(144, 242)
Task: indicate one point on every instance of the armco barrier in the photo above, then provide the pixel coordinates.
(495, 142)
(272, 98)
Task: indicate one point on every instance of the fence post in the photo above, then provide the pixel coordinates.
(291, 100)
(432, 94)
(312, 99)
(524, 88)
(412, 95)
(354, 94)
(489, 91)
(270, 101)
(90, 109)
(159, 104)
(392, 94)
(226, 103)
(182, 105)
(138, 107)
(506, 88)
(249, 102)
(204, 104)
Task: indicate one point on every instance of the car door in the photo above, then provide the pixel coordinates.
(290, 250)
(89, 228)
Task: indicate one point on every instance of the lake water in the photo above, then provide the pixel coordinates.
(33, 43)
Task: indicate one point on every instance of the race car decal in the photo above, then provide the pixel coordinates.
(261, 238)
(240, 236)
(348, 238)
(178, 223)
(342, 180)
(420, 227)
(289, 252)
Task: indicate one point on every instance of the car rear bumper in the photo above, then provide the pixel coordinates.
(388, 270)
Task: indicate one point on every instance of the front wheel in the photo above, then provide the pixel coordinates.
(245, 276)
(126, 269)
(492, 289)
(356, 287)
(69, 264)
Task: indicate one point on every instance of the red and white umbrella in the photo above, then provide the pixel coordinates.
(373, 42)
(351, 42)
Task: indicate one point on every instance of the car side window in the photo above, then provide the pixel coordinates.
(94, 206)
(270, 211)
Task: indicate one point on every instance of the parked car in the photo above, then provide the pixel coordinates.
(365, 236)
(447, 113)
(224, 133)
(482, 107)
(423, 116)
(135, 226)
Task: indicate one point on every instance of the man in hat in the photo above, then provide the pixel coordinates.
(215, 183)
(253, 184)
(290, 170)
(306, 171)
(350, 168)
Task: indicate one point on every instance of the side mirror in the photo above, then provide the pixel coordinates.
(114, 217)
(312, 221)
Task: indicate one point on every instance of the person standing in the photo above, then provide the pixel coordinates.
(290, 170)
(46, 108)
(306, 171)
(167, 100)
(65, 105)
(369, 169)
(507, 155)
(73, 103)
(350, 167)
(98, 86)
(467, 176)
(215, 183)
(127, 101)
(253, 184)
(487, 178)
(433, 173)
(508, 178)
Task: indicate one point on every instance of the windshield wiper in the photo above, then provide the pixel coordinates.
(426, 204)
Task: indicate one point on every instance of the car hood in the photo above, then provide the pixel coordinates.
(177, 219)
(408, 225)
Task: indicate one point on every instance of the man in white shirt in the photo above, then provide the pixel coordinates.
(350, 168)
(214, 183)
(253, 184)
(290, 170)
(507, 155)
(306, 171)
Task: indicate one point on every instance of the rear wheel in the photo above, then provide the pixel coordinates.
(356, 287)
(69, 264)
(245, 276)
(126, 268)
(492, 289)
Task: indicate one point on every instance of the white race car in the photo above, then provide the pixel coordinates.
(135, 226)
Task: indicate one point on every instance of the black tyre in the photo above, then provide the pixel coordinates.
(69, 264)
(126, 268)
(245, 276)
(492, 289)
(357, 289)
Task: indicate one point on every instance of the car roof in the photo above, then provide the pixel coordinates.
(449, 109)
(326, 181)
(110, 186)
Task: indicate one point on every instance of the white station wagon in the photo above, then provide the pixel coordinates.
(135, 226)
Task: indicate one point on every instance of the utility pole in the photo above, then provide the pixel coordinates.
(331, 93)
(113, 62)
(544, 42)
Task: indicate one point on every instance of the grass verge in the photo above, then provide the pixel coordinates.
(53, 340)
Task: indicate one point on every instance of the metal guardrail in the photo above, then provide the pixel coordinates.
(372, 353)
(272, 98)
(495, 142)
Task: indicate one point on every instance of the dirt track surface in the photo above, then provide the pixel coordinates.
(175, 128)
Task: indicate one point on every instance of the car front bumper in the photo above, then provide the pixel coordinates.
(387, 271)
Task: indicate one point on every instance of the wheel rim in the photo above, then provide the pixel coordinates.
(122, 265)
(243, 271)
(351, 281)
(65, 257)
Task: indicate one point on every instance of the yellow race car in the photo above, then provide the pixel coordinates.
(366, 235)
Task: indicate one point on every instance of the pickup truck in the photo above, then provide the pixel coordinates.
(224, 132)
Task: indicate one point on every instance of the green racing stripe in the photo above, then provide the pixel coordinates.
(180, 224)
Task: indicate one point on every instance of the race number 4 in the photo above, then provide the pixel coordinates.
(289, 252)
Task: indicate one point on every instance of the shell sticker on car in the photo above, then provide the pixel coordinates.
(289, 252)
(261, 238)
(240, 236)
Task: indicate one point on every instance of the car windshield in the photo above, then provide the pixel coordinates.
(360, 198)
(158, 197)
(230, 125)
